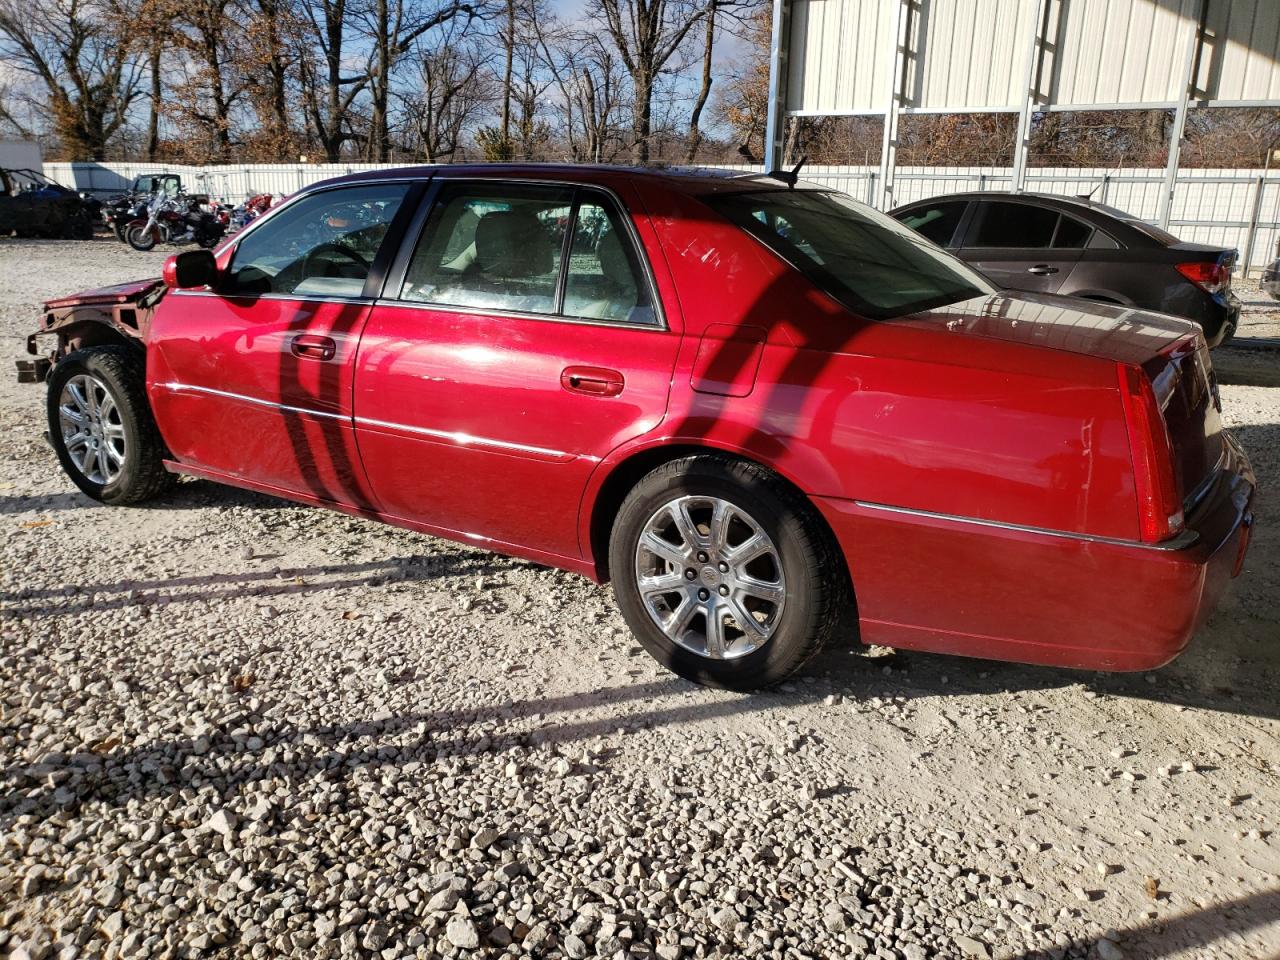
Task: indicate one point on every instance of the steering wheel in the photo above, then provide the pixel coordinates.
(333, 248)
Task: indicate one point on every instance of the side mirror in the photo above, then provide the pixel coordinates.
(192, 268)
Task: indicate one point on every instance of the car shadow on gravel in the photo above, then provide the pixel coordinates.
(272, 582)
(108, 773)
(188, 495)
(1191, 931)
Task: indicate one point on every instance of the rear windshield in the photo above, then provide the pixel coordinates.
(869, 262)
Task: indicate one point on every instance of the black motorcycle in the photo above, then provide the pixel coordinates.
(179, 219)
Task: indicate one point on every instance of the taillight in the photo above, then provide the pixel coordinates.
(1155, 483)
(1211, 277)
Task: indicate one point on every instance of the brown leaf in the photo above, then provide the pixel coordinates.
(350, 615)
(242, 682)
(106, 746)
(31, 524)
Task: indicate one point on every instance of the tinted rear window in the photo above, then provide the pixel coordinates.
(876, 266)
(1013, 225)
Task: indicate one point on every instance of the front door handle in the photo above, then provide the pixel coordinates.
(597, 381)
(307, 346)
(1042, 270)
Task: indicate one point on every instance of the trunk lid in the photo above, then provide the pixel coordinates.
(1123, 334)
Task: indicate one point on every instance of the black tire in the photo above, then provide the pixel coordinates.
(138, 237)
(817, 584)
(122, 372)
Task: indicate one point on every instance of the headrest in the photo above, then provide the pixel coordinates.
(512, 243)
(613, 260)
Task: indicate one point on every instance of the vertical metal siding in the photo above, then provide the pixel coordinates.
(971, 54)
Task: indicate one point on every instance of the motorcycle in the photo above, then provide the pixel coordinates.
(174, 220)
(249, 211)
(119, 212)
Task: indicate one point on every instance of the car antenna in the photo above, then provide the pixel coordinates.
(789, 177)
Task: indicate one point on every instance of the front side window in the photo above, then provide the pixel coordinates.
(876, 266)
(1020, 225)
(323, 244)
(937, 221)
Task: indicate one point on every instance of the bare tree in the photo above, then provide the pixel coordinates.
(647, 34)
(328, 88)
(390, 28)
(83, 53)
(450, 93)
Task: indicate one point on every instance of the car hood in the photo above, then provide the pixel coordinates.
(119, 293)
(1123, 334)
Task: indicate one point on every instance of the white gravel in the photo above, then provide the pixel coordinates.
(232, 726)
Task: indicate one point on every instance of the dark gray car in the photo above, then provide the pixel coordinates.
(1079, 248)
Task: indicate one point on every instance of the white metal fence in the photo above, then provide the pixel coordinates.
(1235, 208)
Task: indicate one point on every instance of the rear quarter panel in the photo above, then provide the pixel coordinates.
(913, 416)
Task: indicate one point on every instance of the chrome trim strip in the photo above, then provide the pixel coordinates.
(465, 439)
(256, 401)
(269, 296)
(1180, 542)
(458, 438)
(517, 315)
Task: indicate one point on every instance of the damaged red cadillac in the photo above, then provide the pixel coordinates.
(772, 417)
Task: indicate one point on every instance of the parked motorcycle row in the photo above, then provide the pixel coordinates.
(158, 209)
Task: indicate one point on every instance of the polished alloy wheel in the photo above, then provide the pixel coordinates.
(710, 577)
(92, 430)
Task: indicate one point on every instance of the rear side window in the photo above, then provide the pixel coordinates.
(604, 278)
(502, 247)
(1072, 234)
(1002, 224)
(492, 247)
(937, 221)
(321, 245)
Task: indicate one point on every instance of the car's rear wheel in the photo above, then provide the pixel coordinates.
(725, 573)
(101, 426)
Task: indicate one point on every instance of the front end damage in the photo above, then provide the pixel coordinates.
(119, 314)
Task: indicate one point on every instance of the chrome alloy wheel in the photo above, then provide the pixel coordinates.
(710, 577)
(92, 431)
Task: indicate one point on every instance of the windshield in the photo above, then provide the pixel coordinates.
(871, 263)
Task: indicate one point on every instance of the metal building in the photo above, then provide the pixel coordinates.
(890, 57)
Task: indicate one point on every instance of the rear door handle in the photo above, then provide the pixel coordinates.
(1042, 270)
(597, 381)
(310, 347)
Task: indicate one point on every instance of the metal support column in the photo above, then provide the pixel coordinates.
(1251, 237)
(1022, 141)
(889, 145)
(1190, 70)
(775, 127)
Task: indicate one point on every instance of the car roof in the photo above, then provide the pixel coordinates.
(692, 180)
(1049, 199)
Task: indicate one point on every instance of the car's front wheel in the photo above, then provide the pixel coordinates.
(101, 425)
(725, 573)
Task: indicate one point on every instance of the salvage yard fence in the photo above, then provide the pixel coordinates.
(1237, 208)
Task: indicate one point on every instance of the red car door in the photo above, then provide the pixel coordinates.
(254, 381)
(520, 342)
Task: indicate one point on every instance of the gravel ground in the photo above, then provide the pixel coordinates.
(232, 726)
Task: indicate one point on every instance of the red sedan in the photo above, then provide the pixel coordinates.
(756, 407)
